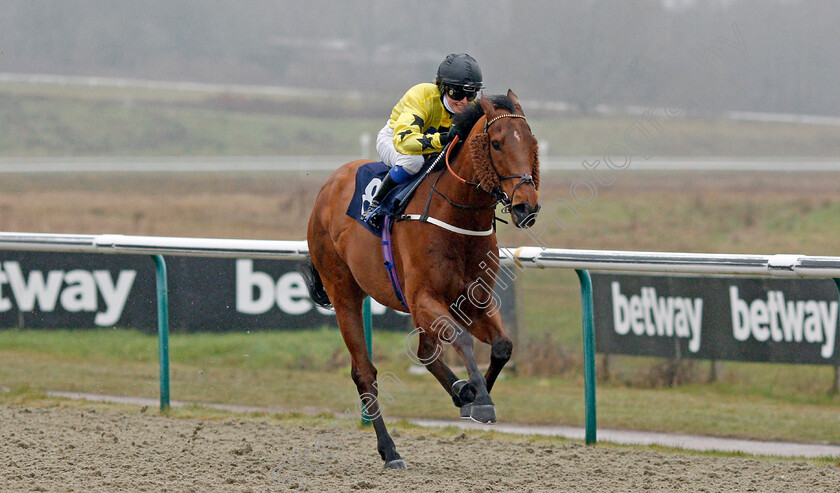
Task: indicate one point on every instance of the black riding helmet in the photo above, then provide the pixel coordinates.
(458, 75)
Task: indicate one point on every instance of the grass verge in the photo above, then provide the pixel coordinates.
(257, 369)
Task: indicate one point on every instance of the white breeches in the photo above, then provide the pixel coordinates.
(391, 157)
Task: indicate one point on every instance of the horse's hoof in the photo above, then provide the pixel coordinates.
(483, 413)
(396, 464)
(462, 392)
(465, 410)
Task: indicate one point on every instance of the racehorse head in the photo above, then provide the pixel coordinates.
(504, 154)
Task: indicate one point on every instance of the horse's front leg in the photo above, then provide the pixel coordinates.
(432, 317)
(489, 330)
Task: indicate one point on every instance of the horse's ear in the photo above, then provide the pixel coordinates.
(515, 101)
(479, 145)
(486, 105)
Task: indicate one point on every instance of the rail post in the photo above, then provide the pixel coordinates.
(835, 386)
(367, 319)
(163, 329)
(588, 354)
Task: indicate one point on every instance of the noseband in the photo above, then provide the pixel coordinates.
(498, 194)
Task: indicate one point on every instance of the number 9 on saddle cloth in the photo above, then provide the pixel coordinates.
(368, 178)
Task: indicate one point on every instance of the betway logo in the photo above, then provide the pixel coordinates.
(651, 315)
(257, 292)
(781, 321)
(75, 290)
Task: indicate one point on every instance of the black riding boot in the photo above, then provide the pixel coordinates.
(386, 186)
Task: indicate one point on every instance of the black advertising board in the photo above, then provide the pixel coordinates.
(41, 290)
(61, 290)
(736, 319)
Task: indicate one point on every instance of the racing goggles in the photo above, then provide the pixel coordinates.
(458, 93)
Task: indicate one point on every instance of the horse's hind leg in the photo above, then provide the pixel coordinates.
(482, 408)
(429, 352)
(489, 330)
(363, 372)
(433, 317)
(347, 300)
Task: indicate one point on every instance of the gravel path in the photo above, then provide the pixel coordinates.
(66, 449)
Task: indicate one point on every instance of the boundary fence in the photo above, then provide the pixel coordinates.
(582, 261)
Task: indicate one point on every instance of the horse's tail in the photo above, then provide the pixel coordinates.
(313, 284)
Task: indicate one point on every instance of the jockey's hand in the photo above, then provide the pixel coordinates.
(447, 137)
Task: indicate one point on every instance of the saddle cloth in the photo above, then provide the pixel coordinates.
(368, 178)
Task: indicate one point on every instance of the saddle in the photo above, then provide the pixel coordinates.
(368, 178)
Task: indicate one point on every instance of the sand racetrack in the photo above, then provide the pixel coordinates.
(71, 449)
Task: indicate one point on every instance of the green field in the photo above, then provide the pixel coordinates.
(731, 212)
(43, 120)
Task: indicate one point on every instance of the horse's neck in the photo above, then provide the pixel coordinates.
(463, 166)
(462, 193)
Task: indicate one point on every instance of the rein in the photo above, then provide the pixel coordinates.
(497, 193)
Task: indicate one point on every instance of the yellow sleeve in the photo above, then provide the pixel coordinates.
(416, 120)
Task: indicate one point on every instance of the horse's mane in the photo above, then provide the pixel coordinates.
(467, 118)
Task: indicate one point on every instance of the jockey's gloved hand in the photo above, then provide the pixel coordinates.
(447, 137)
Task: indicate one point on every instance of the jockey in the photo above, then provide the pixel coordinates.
(421, 122)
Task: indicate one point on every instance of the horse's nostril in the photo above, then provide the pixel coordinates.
(529, 221)
(524, 215)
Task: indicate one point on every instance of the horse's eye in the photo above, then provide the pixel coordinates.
(496, 145)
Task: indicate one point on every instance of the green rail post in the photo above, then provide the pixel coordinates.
(835, 388)
(367, 319)
(588, 354)
(163, 330)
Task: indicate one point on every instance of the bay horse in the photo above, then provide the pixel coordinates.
(437, 262)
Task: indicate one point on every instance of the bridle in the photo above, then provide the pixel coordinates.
(498, 194)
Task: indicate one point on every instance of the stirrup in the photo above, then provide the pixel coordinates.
(371, 212)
